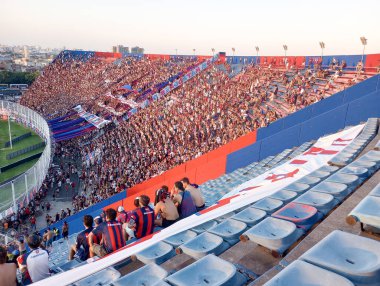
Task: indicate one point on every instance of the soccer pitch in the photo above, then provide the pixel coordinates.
(16, 130)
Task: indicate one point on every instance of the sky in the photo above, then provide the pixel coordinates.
(162, 26)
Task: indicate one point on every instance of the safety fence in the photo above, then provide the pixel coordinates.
(21, 190)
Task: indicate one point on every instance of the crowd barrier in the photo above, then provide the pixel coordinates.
(20, 190)
(349, 107)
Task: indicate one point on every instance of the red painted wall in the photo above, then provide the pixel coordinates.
(206, 167)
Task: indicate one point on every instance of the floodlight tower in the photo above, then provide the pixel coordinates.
(213, 51)
(233, 52)
(364, 43)
(257, 53)
(322, 45)
(285, 48)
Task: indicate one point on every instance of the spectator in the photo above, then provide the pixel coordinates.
(48, 237)
(183, 200)
(65, 230)
(33, 223)
(7, 270)
(113, 236)
(165, 211)
(195, 194)
(34, 265)
(81, 248)
(142, 219)
(122, 215)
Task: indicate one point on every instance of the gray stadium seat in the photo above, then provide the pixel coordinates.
(208, 271)
(204, 244)
(361, 172)
(351, 181)
(321, 201)
(376, 191)
(268, 205)
(181, 238)
(250, 216)
(339, 191)
(329, 169)
(224, 217)
(204, 226)
(366, 212)
(302, 273)
(354, 257)
(229, 230)
(297, 187)
(150, 274)
(320, 174)
(284, 196)
(309, 180)
(371, 166)
(275, 234)
(103, 277)
(157, 253)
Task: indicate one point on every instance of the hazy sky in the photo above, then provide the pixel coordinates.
(161, 26)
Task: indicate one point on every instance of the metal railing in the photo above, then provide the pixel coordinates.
(20, 190)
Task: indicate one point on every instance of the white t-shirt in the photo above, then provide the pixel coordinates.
(37, 264)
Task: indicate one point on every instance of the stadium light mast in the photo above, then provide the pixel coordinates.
(9, 130)
(194, 51)
(322, 45)
(233, 52)
(176, 52)
(213, 51)
(257, 53)
(364, 43)
(285, 48)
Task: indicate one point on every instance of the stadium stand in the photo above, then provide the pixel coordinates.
(270, 226)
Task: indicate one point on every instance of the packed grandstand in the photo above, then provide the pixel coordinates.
(200, 170)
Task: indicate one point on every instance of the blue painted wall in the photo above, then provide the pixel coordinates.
(350, 107)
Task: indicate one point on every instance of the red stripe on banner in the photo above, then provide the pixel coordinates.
(298, 162)
(219, 204)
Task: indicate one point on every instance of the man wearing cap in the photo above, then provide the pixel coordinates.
(82, 246)
(34, 265)
(122, 215)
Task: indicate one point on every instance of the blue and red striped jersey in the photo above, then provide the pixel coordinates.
(144, 219)
(112, 234)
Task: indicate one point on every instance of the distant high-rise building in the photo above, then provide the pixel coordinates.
(26, 52)
(120, 49)
(137, 50)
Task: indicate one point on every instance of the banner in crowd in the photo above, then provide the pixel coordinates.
(91, 118)
(268, 183)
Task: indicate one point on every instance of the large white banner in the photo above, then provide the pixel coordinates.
(91, 118)
(262, 186)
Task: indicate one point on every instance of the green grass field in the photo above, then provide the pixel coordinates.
(16, 131)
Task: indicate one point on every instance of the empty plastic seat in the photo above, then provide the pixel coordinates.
(366, 212)
(268, 205)
(229, 230)
(181, 238)
(354, 257)
(224, 217)
(376, 191)
(204, 244)
(157, 253)
(71, 264)
(309, 180)
(297, 187)
(321, 201)
(275, 234)
(208, 271)
(284, 196)
(302, 273)
(351, 181)
(329, 169)
(103, 277)
(371, 166)
(250, 216)
(319, 174)
(361, 172)
(303, 216)
(150, 274)
(339, 191)
(204, 226)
